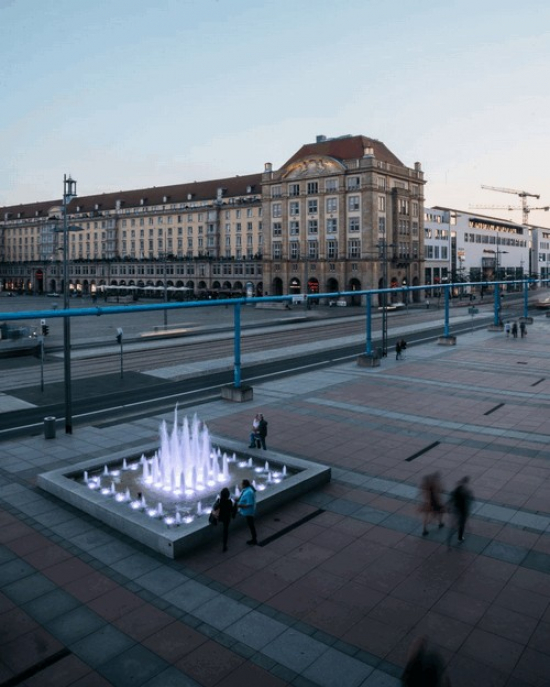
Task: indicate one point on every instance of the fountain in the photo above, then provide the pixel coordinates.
(157, 497)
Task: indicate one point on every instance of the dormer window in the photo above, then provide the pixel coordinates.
(189, 196)
(142, 201)
(165, 199)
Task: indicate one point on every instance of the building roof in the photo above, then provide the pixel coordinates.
(177, 193)
(346, 148)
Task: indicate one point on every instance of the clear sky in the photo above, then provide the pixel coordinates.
(127, 94)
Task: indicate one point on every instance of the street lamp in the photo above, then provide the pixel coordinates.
(69, 192)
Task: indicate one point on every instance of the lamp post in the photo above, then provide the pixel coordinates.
(69, 192)
(165, 284)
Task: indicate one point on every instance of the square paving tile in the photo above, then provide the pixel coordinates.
(174, 641)
(209, 663)
(133, 668)
(75, 624)
(101, 646)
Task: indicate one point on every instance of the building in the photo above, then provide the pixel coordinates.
(202, 237)
(342, 214)
(461, 246)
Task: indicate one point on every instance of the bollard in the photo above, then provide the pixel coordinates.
(49, 427)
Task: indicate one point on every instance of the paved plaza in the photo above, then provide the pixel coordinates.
(342, 580)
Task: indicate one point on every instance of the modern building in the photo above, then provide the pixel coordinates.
(342, 214)
(461, 246)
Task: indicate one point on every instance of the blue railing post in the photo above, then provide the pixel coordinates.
(496, 318)
(526, 298)
(447, 306)
(368, 350)
(237, 346)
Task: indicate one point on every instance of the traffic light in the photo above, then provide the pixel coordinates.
(45, 330)
(119, 335)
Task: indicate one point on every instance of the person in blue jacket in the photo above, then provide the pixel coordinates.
(247, 508)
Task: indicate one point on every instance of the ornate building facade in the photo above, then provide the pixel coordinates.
(341, 214)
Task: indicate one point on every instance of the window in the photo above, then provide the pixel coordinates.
(294, 189)
(312, 226)
(354, 224)
(294, 228)
(381, 225)
(294, 208)
(312, 250)
(276, 210)
(277, 229)
(249, 212)
(275, 191)
(294, 250)
(382, 203)
(354, 249)
(331, 185)
(312, 187)
(276, 249)
(353, 203)
(312, 207)
(332, 225)
(332, 205)
(403, 206)
(332, 249)
(353, 183)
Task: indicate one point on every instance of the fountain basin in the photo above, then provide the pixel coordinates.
(175, 541)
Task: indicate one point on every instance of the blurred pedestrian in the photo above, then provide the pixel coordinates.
(398, 350)
(522, 329)
(432, 504)
(425, 666)
(507, 328)
(403, 345)
(460, 505)
(515, 330)
(247, 507)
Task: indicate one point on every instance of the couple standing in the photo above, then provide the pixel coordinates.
(259, 432)
(225, 509)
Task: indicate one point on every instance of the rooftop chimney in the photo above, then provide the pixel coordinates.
(320, 139)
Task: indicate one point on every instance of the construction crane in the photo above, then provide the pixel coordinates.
(522, 194)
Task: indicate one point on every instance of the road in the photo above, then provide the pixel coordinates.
(285, 341)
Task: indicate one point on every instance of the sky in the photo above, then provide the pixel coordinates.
(126, 94)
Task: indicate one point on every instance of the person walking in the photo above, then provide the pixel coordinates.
(247, 507)
(403, 345)
(226, 511)
(432, 506)
(515, 330)
(507, 328)
(522, 329)
(425, 666)
(460, 505)
(262, 431)
(398, 350)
